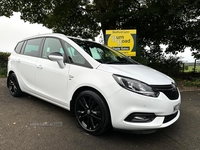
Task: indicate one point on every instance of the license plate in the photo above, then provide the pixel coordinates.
(176, 107)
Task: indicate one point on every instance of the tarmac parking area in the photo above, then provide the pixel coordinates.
(30, 123)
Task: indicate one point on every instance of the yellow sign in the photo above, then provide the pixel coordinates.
(123, 41)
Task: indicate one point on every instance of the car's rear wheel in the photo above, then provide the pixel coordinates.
(92, 112)
(13, 85)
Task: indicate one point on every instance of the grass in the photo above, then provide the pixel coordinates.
(191, 68)
(189, 85)
(192, 83)
(188, 79)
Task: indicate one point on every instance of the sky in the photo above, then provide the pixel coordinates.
(14, 29)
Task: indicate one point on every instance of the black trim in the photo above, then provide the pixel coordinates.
(171, 91)
(170, 117)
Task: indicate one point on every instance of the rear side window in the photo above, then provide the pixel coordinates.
(19, 47)
(32, 47)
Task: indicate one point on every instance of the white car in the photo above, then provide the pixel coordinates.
(100, 86)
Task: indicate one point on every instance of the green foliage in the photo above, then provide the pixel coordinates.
(189, 79)
(167, 65)
(155, 58)
(192, 83)
(173, 23)
(3, 63)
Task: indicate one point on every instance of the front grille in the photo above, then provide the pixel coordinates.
(170, 117)
(170, 91)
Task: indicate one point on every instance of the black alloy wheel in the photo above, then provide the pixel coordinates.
(92, 113)
(13, 86)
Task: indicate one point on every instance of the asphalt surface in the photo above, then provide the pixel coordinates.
(30, 123)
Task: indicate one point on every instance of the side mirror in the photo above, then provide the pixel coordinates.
(56, 56)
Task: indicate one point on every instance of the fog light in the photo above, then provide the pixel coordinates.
(140, 117)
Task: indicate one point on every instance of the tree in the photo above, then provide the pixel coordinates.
(174, 23)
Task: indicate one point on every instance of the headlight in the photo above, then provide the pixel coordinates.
(136, 86)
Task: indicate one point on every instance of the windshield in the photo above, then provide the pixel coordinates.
(103, 54)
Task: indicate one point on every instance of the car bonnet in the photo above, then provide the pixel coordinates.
(138, 72)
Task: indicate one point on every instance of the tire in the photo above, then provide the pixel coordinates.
(13, 86)
(92, 112)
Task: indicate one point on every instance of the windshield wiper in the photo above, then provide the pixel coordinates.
(113, 62)
(119, 62)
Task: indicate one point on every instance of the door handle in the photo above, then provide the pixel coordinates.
(18, 60)
(39, 67)
(71, 77)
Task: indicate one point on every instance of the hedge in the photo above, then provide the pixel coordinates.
(3, 63)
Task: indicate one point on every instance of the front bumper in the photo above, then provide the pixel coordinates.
(124, 102)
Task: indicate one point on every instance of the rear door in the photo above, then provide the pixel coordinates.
(26, 64)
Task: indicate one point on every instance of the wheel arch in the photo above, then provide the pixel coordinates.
(9, 75)
(84, 88)
(16, 92)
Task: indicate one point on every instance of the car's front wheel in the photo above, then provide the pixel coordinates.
(92, 112)
(13, 85)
